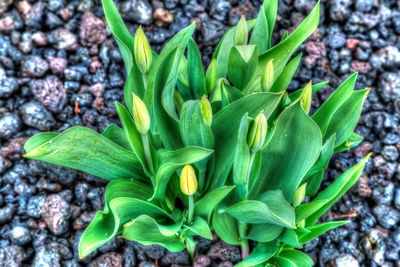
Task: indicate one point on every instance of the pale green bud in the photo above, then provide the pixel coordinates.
(241, 33)
(306, 96)
(142, 51)
(258, 132)
(206, 109)
(140, 115)
(211, 75)
(299, 195)
(188, 180)
(267, 79)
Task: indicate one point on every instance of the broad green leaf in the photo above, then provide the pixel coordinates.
(38, 140)
(207, 204)
(224, 95)
(346, 117)
(319, 229)
(229, 118)
(197, 82)
(263, 232)
(132, 85)
(241, 162)
(171, 161)
(337, 189)
(289, 237)
(271, 10)
(117, 135)
(284, 79)
(260, 35)
(315, 88)
(124, 201)
(353, 141)
(324, 114)
(242, 63)
(133, 135)
(314, 176)
(271, 208)
(147, 231)
(200, 227)
(297, 257)
(291, 151)
(283, 262)
(304, 211)
(226, 228)
(261, 253)
(255, 170)
(85, 150)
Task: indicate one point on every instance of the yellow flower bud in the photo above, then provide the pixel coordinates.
(306, 96)
(188, 180)
(206, 109)
(267, 79)
(211, 75)
(258, 132)
(299, 195)
(241, 33)
(142, 51)
(140, 115)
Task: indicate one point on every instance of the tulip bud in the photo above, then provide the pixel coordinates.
(140, 115)
(299, 195)
(188, 180)
(211, 75)
(306, 96)
(142, 51)
(241, 33)
(206, 109)
(258, 132)
(267, 78)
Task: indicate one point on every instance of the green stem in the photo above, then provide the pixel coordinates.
(252, 155)
(191, 209)
(202, 180)
(244, 243)
(147, 153)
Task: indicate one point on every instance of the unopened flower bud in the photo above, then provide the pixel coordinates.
(140, 115)
(211, 75)
(267, 79)
(206, 109)
(142, 51)
(188, 180)
(306, 96)
(299, 195)
(258, 132)
(241, 33)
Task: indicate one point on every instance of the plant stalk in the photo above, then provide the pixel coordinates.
(191, 209)
(202, 180)
(147, 153)
(244, 243)
(252, 156)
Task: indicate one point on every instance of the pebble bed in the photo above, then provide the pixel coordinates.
(60, 67)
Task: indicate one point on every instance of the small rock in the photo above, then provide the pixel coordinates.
(212, 31)
(111, 259)
(57, 64)
(4, 165)
(220, 9)
(397, 199)
(389, 86)
(92, 30)
(35, 206)
(4, 4)
(8, 86)
(364, 5)
(139, 11)
(346, 260)
(50, 92)
(162, 17)
(246, 9)
(15, 149)
(7, 24)
(363, 189)
(34, 66)
(64, 39)
(179, 258)
(383, 194)
(387, 216)
(6, 214)
(12, 256)
(39, 38)
(336, 40)
(224, 252)
(47, 257)
(56, 212)
(201, 261)
(388, 57)
(10, 124)
(20, 235)
(35, 115)
(361, 67)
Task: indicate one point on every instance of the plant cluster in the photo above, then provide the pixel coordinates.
(227, 149)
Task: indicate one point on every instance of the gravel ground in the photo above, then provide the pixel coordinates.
(56, 53)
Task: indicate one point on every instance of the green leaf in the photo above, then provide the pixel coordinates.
(324, 114)
(337, 189)
(263, 232)
(133, 84)
(315, 88)
(229, 118)
(284, 79)
(171, 161)
(117, 135)
(260, 35)
(226, 228)
(304, 211)
(271, 208)
(297, 140)
(147, 231)
(124, 201)
(242, 64)
(261, 253)
(207, 204)
(297, 257)
(353, 141)
(38, 140)
(200, 227)
(319, 229)
(289, 237)
(346, 117)
(197, 83)
(314, 176)
(85, 150)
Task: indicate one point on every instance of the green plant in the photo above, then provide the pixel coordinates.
(241, 163)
